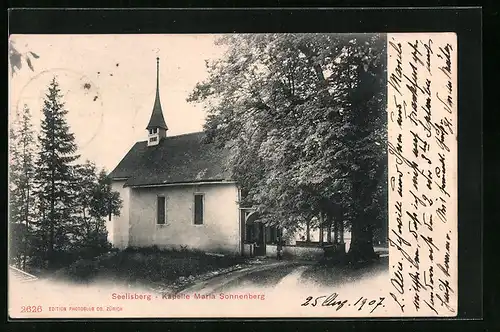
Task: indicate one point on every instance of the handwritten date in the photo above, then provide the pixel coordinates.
(332, 300)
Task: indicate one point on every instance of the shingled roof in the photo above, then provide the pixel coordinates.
(176, 159)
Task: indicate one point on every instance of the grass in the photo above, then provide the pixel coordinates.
(336, 274)
(146, 266)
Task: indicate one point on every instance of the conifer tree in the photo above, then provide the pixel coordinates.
(21, 199)
(54, 175)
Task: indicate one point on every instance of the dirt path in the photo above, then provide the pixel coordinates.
(265, 275)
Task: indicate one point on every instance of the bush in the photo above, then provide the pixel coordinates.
(62, 259)
(147, 265)
(83, 270)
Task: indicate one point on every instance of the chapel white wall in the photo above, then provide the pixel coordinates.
(219, 233)
(118, 228)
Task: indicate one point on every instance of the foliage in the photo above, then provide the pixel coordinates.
(54, 177)
(17, 237)
(96, 201)
(83, 270)
(21, 173)
(304, 116)
(16, 58)
(57, 208)
(147, 264)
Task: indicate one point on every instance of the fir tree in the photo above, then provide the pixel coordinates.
(15, 202)
(14, 170)
(54, 175)
(21, 200)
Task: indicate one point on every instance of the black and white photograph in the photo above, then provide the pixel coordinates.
(232, 175)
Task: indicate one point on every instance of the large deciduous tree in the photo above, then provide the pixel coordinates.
(95, 201)
(304, 116)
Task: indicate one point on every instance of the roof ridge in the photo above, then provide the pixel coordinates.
(174, 136)
(186, 134)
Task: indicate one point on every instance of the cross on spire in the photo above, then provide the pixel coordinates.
(157, 74)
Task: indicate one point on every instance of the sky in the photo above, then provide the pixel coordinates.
(108, 84)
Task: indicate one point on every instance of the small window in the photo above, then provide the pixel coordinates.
(161, 210)
(152, 139)
(198, 209)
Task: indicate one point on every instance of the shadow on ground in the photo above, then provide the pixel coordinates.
(340, 274)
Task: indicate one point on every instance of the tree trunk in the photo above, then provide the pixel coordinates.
(308, 231)
(52, 199)
(87, 226)
(50, 254)
(329, 230)
(279, 245)
(44, 251)
(321, 229)
(361, 248)
(335, 231)
(26, 232)
(341, 231)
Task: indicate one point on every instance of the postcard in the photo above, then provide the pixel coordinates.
(249, 175)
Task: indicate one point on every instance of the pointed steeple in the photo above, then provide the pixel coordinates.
(157, 120)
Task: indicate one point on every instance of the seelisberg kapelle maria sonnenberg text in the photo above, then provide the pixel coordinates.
(195, 296)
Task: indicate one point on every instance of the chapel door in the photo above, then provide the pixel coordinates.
(260, 239)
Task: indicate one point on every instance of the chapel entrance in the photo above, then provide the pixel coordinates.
(255, 234)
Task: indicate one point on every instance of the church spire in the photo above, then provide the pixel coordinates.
(157, 128)
(157, 120)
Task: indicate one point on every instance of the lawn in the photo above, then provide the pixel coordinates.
(147, 266)
(338, 274)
